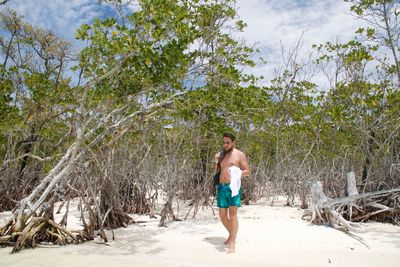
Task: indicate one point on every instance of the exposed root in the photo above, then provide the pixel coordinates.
(40, 229)
(167, 212)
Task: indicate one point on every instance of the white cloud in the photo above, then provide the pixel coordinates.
(60, 16)
(272, 22)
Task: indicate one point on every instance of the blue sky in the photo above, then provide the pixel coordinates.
(270, 22)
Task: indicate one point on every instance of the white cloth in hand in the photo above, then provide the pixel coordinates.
(235, 174)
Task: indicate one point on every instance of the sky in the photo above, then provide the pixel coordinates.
(273, 23)
(270, 22)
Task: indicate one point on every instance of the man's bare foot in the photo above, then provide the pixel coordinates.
(227, 241)
(231, 248)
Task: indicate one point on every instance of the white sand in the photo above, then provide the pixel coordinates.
(268, 236)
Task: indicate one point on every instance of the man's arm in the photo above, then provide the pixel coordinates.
(244, 165)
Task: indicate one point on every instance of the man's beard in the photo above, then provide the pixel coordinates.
(229, 150)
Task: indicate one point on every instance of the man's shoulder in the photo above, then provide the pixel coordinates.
(240, 153)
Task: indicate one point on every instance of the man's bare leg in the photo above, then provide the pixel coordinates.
(234, 226)
(223, 214)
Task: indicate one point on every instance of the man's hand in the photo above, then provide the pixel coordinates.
(216, 159)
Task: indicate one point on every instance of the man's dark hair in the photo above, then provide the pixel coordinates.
(229, 135)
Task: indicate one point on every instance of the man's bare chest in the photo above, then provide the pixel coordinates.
(231, 160)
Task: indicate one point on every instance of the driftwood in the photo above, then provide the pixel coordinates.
(332, 212)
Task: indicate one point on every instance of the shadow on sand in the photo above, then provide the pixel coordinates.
(217, 241)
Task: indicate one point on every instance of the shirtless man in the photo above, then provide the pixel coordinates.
(227, 204)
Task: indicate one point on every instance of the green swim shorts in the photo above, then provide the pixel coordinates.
(224, 198)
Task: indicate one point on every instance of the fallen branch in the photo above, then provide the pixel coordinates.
(324, 210)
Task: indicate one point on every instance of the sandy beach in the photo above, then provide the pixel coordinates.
(268, 236)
